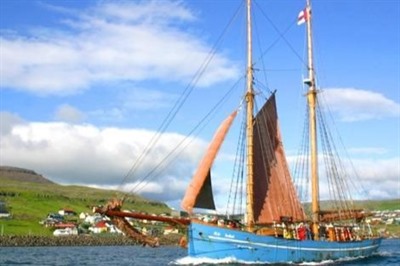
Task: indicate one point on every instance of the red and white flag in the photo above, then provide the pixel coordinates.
(303, 16)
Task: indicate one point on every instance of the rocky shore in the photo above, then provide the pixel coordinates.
(79, 240)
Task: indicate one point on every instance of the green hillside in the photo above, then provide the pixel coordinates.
(382, 205)
(30, 198)
(370, 205)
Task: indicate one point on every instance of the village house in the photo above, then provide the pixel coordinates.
(4, 213)
(66, 232)
(65, 225)
(385, 217)
(92, 219)
(170, 230)
(83, 215)
(66, 212)
(99, 227)
(103, 226)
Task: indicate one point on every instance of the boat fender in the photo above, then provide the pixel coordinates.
(183, 242)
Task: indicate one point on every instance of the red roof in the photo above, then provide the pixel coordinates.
(68, 210)
(101, 224)
(64, 225)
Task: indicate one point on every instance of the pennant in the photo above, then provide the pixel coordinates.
(303, 16)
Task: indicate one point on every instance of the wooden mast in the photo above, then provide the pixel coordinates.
(312, 102)
(249, 126)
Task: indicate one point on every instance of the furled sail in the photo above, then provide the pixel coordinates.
(201, 182)
(274, 192)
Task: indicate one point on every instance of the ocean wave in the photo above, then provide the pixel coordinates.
(201, 261)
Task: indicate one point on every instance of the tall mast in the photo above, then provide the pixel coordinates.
(312, 102)
(249, 127)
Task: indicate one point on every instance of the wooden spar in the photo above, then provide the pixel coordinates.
(312, 102)
(113, 210)
(249, 127)
(332, 216)
(123, 225)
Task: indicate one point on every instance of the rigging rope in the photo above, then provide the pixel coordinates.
(340, 140)
(177, 106)
(199, 127)
(337, 177)
(337, 173)
(236, 188)
(281, 36)
(301, 170)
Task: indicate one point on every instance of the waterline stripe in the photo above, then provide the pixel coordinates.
(289, 247)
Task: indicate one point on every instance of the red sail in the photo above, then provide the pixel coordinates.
(200, 177)
(274, 192)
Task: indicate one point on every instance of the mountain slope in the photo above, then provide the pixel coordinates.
(30, 197)
(21, 174)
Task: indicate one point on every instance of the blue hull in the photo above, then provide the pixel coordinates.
(208, 241)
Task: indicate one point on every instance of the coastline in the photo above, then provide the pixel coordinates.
(80, 240)
(86, 240)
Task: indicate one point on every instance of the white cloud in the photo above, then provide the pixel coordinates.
(355, 105)
(379, 170)
(160, 11)
(112, 42)
(147, 99)
(87, 155)
(101, 157)
(368, 150)
(8, 121)
(68, 113)
(376, 178)
(110, 115)
(366, 178)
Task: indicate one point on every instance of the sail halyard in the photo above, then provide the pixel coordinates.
(249, 123)
(312, 102)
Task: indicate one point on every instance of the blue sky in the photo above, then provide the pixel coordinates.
(84, 84)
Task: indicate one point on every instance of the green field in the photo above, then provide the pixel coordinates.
(29, 203)
(381, 205)
(370, 205)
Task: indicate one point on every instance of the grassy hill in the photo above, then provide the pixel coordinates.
(371, 205)
(29, 197)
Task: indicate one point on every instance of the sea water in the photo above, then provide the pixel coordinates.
(388, 254)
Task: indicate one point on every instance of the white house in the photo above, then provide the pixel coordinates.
(65, 232)
(92, 219)
(83, 215)
(99, 227)
(66, 212)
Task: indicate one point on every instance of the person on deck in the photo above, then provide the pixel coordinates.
(322, 232)
(301, 232)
